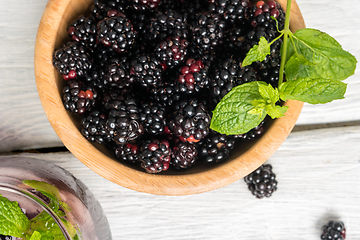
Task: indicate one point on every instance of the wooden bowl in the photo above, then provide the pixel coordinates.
(52, 34)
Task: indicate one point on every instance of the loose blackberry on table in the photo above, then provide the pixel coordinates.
(333, 230)
(146, 75)
(262, 182)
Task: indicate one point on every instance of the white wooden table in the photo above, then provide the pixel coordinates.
(317, 167)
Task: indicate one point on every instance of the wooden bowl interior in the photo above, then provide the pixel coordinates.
(245, 158)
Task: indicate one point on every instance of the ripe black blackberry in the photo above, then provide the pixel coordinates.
(113, 95)
(152, 115)
(216, 147)
(83, 30)
(78, 97)
(123, 124)
(102, 7)
(128, 152)
(116, 31)
(143, 5)
(253, 133)
(189, 120)
(155, 155)
(166, 94)
(262, 182)
(171, 51)
(93, 127)
(73, 60)
(234, 12)
(334, 231)
(163, 25)
(184, 155)
(147, 70)
(117, 73)
(207, 31)
(193, 76)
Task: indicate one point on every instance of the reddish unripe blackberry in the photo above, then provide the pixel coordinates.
(73, 60)
(193, 77)
(152, 115)
(128, 152)
(207, 31)
(171, 51)
(155, 155)
(190, 121)
(216, 147)
(123, 124)
(147, 70)
(78, 97)
(184, 155)
(334, 230)
(262, 182)
(93, 127)
(142, 5)
(116, 32)
(83, 30)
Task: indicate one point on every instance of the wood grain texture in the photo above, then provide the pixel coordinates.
(317, 173)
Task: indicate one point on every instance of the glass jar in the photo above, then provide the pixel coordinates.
(85, 215)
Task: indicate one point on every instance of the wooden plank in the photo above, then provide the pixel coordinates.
(24, 125)
(317, 174)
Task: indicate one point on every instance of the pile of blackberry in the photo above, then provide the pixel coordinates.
(143, 77)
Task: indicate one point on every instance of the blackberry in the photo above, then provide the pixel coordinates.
(78, 97)
(166, 94)
(102, 7)
(117, 73)
(3, 237)
(123, 124)
(191, 8)
(207, 31)
(234, 12)
(184, 155)
(93, 127)
(171, 51)
(83, 30)
(143, 5)
(116, 31)
(152, 115)
(334, 231)
(165, 24)
(147, 70)
(262, 181)
(73, 60)
(114, 95)
(193, 77)
(155, 155)
(128, 152)
(253, 133)
(189, 120)
(103, 55)
(216, 147)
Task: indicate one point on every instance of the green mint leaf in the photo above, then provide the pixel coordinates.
(50, 191)
(235, 113)
(271, 97)
(35, 236)
(276, 111)
(47, 227)
(317, 55)
(257, 52)
(12, 220)
(313, 91)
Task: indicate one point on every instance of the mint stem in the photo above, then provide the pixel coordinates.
(285, 43)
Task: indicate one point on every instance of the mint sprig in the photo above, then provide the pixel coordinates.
(314, 64)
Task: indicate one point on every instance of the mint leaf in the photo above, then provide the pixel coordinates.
(235, 113)
(312, 91)
(12, 220)
(257, 52)
(317, 55)
(35, 236)
(271, 97)
(47, 227)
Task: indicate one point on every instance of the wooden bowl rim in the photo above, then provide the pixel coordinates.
(120, 174)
